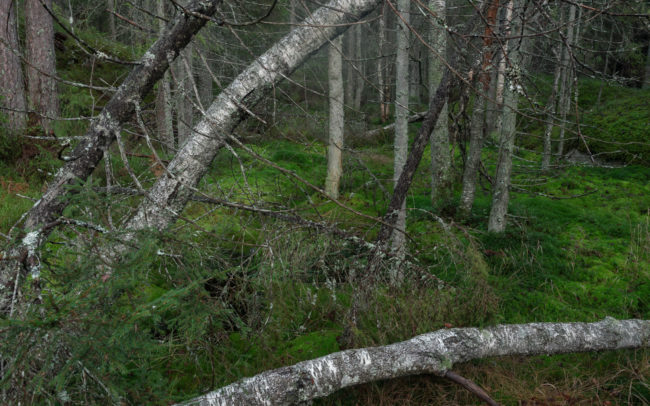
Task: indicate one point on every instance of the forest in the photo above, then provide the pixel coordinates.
(330, 202)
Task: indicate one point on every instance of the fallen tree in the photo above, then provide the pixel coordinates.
(432, 353)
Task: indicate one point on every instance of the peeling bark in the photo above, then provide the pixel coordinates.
(90, 150)
(432, 353)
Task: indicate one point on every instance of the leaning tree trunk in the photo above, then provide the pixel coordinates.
(336, 118)
(169, 195)
(473, 160)
(12, 88)
(431, 353)
(41, 62)
(441, 181)
(518, 50)
(565, 89)
(401, 114)
(41, 218)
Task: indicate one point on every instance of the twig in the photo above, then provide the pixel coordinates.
(471, 386)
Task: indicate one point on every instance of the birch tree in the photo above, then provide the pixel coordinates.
(473, 159)
(336, 118)
(564, 102)
(41, 62)
(516, 53)
(441, 181)
(12, 88)
(401, 113)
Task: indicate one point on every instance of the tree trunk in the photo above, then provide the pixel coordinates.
(516, 55)
(41, 62)
(401, 114)
(112, 28)
(350, 74)
(173, 189)
(12, 88)
(184, 116)
(431, 353)
(359, 63)
(40, 220)
(336, 118)
(477, 138)
(384, 89)
(441, 182)
(565, 88)
(550, 117)
(164, 122)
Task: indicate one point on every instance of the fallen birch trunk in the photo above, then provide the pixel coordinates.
(432, 353)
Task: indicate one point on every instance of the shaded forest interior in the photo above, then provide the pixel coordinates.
(194, 192)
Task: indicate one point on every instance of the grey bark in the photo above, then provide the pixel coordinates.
(550, 117)
(432, 353)
(401, 113)
(360, 65)
(184, 116)
(517, 51)
(565, 88)
(42, 94)
(112, 28)
(164, 122)
(12, 87)
(336, 118)
(384, 90)
(350, 76)
(441, 181)
(477, 126)
(172, 190)
(87, 154)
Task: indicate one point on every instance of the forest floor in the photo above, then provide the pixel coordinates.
(235, 293)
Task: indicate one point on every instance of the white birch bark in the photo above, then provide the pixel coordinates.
(336, 118)
(432, 353)
(42, 93)
(12, 88)
(172, 190)
(441, 181)
(401, 113)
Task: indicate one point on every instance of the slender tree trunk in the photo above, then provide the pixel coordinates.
(401, 113)
(183, 92)
(350, 74)
(605, 68)
(12, 87)
(360, 64)
(517, 57)
(431, 353)
(41, 62)
(550, 117)
(384, 89)
(164, 122)
(336, 118)
(565, 92)
(477, 138)
(441, 182)
(112, 28)
(293, 17)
